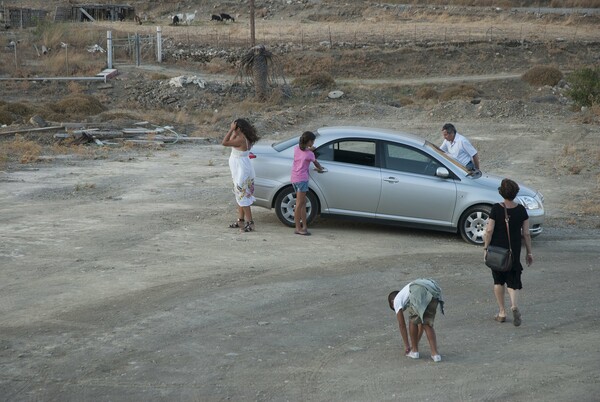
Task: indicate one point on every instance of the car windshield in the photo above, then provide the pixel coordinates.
(447, 157)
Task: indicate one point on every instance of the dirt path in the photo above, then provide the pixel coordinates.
(366, 81)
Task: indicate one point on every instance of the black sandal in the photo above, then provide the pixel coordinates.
(236, 225)
(249, 227)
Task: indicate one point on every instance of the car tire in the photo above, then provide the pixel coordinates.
(286, 202)
(472, 224)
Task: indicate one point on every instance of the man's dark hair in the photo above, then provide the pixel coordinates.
(391, 298)
(449, 128)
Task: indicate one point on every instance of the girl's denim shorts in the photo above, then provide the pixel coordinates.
(301, 186)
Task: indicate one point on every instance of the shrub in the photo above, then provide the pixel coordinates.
(78, 105)
(320, 80)
(585, 86)
(25, 151)
(459, 91)
(426, 92)
(7, 117)
(542, 75)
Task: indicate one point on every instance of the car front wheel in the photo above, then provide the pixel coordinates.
(472, 223)
(285, 204)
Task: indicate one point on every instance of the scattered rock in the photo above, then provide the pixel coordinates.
(38, 121)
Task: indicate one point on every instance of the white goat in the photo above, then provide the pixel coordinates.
(189, 17)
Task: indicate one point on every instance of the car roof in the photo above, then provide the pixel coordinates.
(329, 133)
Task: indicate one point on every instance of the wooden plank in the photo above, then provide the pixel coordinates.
(27, 130)
(86, 14)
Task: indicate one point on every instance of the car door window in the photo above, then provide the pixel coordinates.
(348, 151)
(404, 158)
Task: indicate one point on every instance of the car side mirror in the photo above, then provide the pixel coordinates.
(442, 172)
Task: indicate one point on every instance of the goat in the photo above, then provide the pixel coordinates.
(175, 20)
(216, 17)
(189, 17)
(225, 17)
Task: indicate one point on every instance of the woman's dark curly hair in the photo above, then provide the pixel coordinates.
(248, 130)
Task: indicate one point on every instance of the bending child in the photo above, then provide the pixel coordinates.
(419, 299)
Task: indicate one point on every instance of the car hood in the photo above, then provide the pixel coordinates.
(493, 182)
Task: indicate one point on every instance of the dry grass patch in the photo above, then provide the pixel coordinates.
(77, 106)
(459, 92)
(318, 80)
(25, 151)
(542, 75)
(426, 92)
(159, 77)
(7, 117)
(15, 112)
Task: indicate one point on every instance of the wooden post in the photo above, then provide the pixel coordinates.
(109, 49)
(159, 44)
(252, 26)
(137, 49)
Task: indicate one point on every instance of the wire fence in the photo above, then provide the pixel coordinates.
(21, 50)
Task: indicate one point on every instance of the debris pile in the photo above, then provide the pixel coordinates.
(135, 135)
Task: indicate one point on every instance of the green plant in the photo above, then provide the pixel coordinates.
(585, 86)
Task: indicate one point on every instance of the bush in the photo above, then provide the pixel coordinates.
(459, 92)
(585, 86)
(319, 80)
(78, 105)
(427, 92)
(542, 75)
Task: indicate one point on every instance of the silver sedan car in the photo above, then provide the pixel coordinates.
(385, 176)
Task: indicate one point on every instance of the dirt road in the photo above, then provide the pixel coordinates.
(121, 281)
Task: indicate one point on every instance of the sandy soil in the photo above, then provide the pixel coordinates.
(120, 280)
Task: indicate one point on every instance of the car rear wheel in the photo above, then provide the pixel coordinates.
(472, 223)
(285, 204)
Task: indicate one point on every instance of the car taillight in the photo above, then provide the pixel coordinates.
(251, 155)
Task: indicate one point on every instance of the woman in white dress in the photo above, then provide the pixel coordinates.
(240, 137)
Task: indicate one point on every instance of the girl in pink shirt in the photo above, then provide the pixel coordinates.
(303, 156)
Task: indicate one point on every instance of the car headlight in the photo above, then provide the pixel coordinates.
(529, 202)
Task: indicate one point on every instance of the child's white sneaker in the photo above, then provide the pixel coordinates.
(413, 355)
(436, 358)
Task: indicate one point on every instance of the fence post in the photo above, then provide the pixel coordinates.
(109, 49)
(137, 50)
(16, 59)
(159, 44)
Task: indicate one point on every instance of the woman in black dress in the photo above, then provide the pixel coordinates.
(495, 235)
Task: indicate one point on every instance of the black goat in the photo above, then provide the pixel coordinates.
(216, 17)
(175, 20)
(226, 17)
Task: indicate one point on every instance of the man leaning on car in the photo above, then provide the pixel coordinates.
(458, 147)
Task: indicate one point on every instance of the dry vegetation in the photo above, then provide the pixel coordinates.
(357, 42)
(542, 75)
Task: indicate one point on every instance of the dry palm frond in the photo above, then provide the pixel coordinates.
(260, 68)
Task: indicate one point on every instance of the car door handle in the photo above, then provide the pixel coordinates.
(391, 180)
